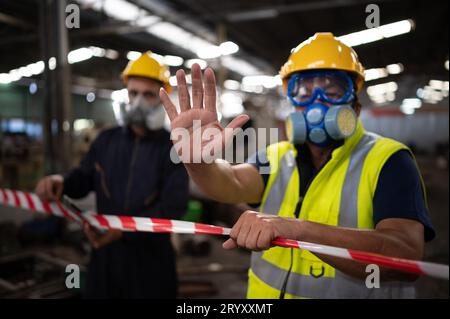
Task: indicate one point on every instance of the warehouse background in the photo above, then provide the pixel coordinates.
(59, 86)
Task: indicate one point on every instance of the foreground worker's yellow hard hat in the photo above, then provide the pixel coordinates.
(323, 51)
(148, 67)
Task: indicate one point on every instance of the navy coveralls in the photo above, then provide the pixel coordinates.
(135, 177)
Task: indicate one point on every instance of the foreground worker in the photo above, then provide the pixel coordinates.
(130, 170)
(332, 183)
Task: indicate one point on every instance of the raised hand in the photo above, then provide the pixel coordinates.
(199, 120)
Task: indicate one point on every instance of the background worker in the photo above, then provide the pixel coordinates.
(130, 170)
(332, 183)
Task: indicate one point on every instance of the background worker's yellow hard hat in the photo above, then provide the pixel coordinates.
(148, 67)
(323, 51)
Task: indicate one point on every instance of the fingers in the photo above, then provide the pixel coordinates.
(50, 189)
(197, 86)
(58, 189)
(252, 237)
(91, 235)
(240, 230)
(168, 105)
(210, 90)
(250, 232)
(236, 123)
(98, 241)
(40, 190)
(229, 244)
(237, 227)
(264, 240)
(183, 92)
(105, 239)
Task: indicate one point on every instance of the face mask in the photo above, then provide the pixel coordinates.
(321, 125)
(142, 113)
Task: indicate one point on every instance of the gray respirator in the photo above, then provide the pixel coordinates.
(144, 114)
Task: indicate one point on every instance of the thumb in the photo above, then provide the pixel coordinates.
(229, 244)
(236, 123)
(59, 190)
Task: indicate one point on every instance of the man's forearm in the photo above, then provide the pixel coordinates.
(217, 180)
(386, 242)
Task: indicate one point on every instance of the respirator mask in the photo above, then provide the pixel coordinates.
(144, 114)
(318, 123)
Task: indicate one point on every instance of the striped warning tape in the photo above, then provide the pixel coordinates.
(30, 201)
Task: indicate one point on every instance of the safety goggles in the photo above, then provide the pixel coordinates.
(334, 87)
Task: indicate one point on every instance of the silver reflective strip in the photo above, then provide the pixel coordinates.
(276, 193)
(341, 286)
(348, 210)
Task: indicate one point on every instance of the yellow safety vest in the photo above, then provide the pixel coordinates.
(340, 195)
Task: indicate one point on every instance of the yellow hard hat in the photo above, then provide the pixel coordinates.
(323, 51)
(148, 67)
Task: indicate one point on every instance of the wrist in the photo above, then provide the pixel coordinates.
(301, 230)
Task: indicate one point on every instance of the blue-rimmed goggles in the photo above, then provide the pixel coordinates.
(334, 87)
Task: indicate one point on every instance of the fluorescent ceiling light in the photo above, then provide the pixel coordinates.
(267, 81)
(395, 68)
(52, 63)
(98, 52)
(203, 64)
(375, 73)
(376, 34)
(172, 60)
(5, 78)
(231, 85)
(239, 66)
(117, 9)
(382, 88)
(214, 51)
(147, 20)
(133, 55)
(438, 85)
(79, 55)
(173, 80)
(120, 96)
(231, 104)
(210, 52)
(111, 54)
(173, 34)
(410, 105)
(434, 92)
(227, 48)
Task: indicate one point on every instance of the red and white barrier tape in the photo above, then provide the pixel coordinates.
(30, 201)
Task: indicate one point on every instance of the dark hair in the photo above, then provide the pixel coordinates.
(356, 104)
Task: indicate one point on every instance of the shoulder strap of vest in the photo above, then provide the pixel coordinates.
(275, 154)
(390, 146)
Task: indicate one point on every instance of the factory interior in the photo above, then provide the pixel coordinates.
(62, 85)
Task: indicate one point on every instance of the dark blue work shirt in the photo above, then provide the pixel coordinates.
(132, 176)
(398, 194)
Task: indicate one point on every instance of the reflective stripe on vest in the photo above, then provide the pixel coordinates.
(340, 285)
(275, 197)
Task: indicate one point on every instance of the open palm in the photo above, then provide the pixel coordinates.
(200, 119)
